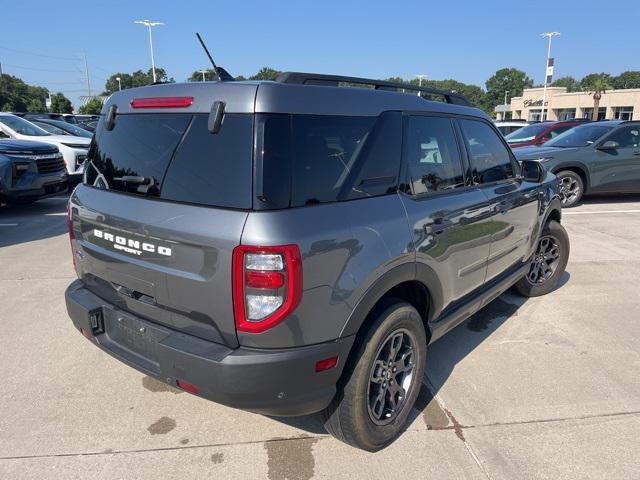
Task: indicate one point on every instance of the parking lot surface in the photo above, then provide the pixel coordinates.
(547, 388)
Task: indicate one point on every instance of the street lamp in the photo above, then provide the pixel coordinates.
(203, 72)
(149, 24)
(119, 83)
(504, 113)
(548, 35)
(420, 77)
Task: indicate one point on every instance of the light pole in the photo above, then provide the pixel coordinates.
(149, 24)
(504, 113)
(203, 72)
(119, 83)
(548, 35)
(420, 77)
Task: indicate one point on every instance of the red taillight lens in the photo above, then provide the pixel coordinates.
(162, 102)
(186, 386)
(267, 285)
(326, 364)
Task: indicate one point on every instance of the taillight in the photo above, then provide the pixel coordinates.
(162, 102)
(267, 285)
(70, 230)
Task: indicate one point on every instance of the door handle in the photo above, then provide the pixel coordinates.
(439, 225)
(637, 153)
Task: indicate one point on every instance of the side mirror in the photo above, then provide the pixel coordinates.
(609, 145)
(532, 171)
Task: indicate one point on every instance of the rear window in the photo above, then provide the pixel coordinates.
(312, 159)
(174, 157)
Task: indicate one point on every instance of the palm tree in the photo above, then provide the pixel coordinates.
(597, 88)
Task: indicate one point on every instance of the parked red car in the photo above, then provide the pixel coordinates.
(539, 133)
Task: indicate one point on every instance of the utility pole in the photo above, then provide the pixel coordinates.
(547, 75)
(86, 71)
(149, 24)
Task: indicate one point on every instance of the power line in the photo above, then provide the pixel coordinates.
(22, 52)
(41, 69)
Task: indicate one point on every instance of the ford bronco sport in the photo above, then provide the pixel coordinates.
(292, 247)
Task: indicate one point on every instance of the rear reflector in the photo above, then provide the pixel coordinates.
(162, 102)
(326, 364)
(187, 387)
(86, 333)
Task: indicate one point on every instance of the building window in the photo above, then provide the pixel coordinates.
(588, 111)
(535, 115)
(565, 114)
(623, 113)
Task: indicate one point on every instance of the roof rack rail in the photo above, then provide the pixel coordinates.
(335, 81)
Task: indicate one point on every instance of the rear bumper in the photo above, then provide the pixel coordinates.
(280, 382)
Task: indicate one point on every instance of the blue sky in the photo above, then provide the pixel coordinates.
(467, 41)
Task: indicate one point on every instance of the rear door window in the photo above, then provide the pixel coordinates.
(174, 157)
(312, 159)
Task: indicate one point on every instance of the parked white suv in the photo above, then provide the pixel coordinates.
(74, 149)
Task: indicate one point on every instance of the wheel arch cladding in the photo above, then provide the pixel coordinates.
(577, 168)
(403, 284)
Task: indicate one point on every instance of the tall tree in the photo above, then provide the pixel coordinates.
(60, 104)
(265, 73)
(17, 96)
(570, 83)
(628, 79)
(597, 87)
(509, 80)
(92, 107)
(134, 79)
(209, 76)
(588, 81)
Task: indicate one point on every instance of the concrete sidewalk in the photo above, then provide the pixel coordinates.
(543, 388)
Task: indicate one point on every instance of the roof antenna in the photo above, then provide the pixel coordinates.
(221, 73)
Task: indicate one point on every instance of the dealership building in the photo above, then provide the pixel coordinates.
(563, 105)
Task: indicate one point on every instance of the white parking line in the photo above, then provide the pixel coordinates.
(600, 212)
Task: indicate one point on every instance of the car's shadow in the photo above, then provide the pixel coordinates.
(442, 357)
(36, 221)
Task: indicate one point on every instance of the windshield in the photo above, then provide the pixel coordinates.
(579, 136)
(22, 126)
(526, 133)
(71, 129)
(50, 128)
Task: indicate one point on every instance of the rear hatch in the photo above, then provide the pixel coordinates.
(162, 206)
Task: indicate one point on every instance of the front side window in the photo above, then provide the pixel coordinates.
(431, 155)
(489, 157)
(626, 137)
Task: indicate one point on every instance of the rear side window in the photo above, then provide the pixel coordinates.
(174, 157)
(431, 155)
(489, 157)
(312, 159)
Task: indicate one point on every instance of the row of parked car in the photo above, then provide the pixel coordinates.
(587, 157)
(42, 154)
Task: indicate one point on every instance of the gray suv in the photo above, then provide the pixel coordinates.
(292, 247)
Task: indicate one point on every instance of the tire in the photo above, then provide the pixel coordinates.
(571, 188)
(538, 280)
(358, 415)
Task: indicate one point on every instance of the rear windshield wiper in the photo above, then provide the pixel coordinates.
(147, 185)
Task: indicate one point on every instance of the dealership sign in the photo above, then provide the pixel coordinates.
(534, 103)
